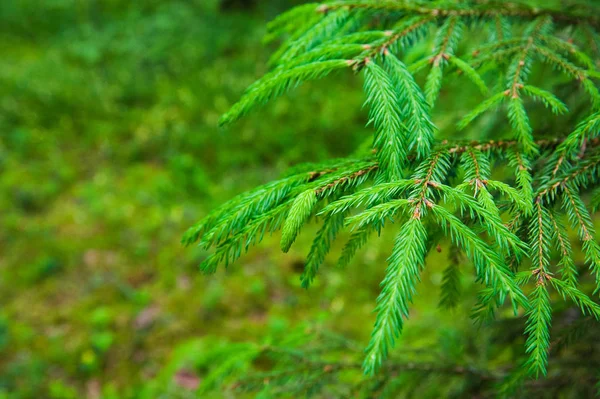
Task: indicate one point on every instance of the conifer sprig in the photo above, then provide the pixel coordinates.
(398, 287)
(503, 202)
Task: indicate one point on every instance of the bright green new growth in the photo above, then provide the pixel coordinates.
(503, 204)
(398, 288)
(301, 210)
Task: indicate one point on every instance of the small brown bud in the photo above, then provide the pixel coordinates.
(417, 213)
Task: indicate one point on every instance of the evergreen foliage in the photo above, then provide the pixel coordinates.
(514, 204)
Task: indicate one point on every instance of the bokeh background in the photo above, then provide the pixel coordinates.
(109, 150)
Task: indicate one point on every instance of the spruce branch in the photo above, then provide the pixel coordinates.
(390, 138)
(566, 265)
(398, 288)
(414, 108)
(491, 269)
(404, 31)
(503, 203)
(301, 209)
(581, 220)
(473, 10)
(537, 330)
(450, 290)
(445, 44)
(321, 246)
(278, 82)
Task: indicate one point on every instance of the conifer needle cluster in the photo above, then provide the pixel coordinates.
(515, 207)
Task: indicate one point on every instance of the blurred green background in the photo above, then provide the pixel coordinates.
(109, 150)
